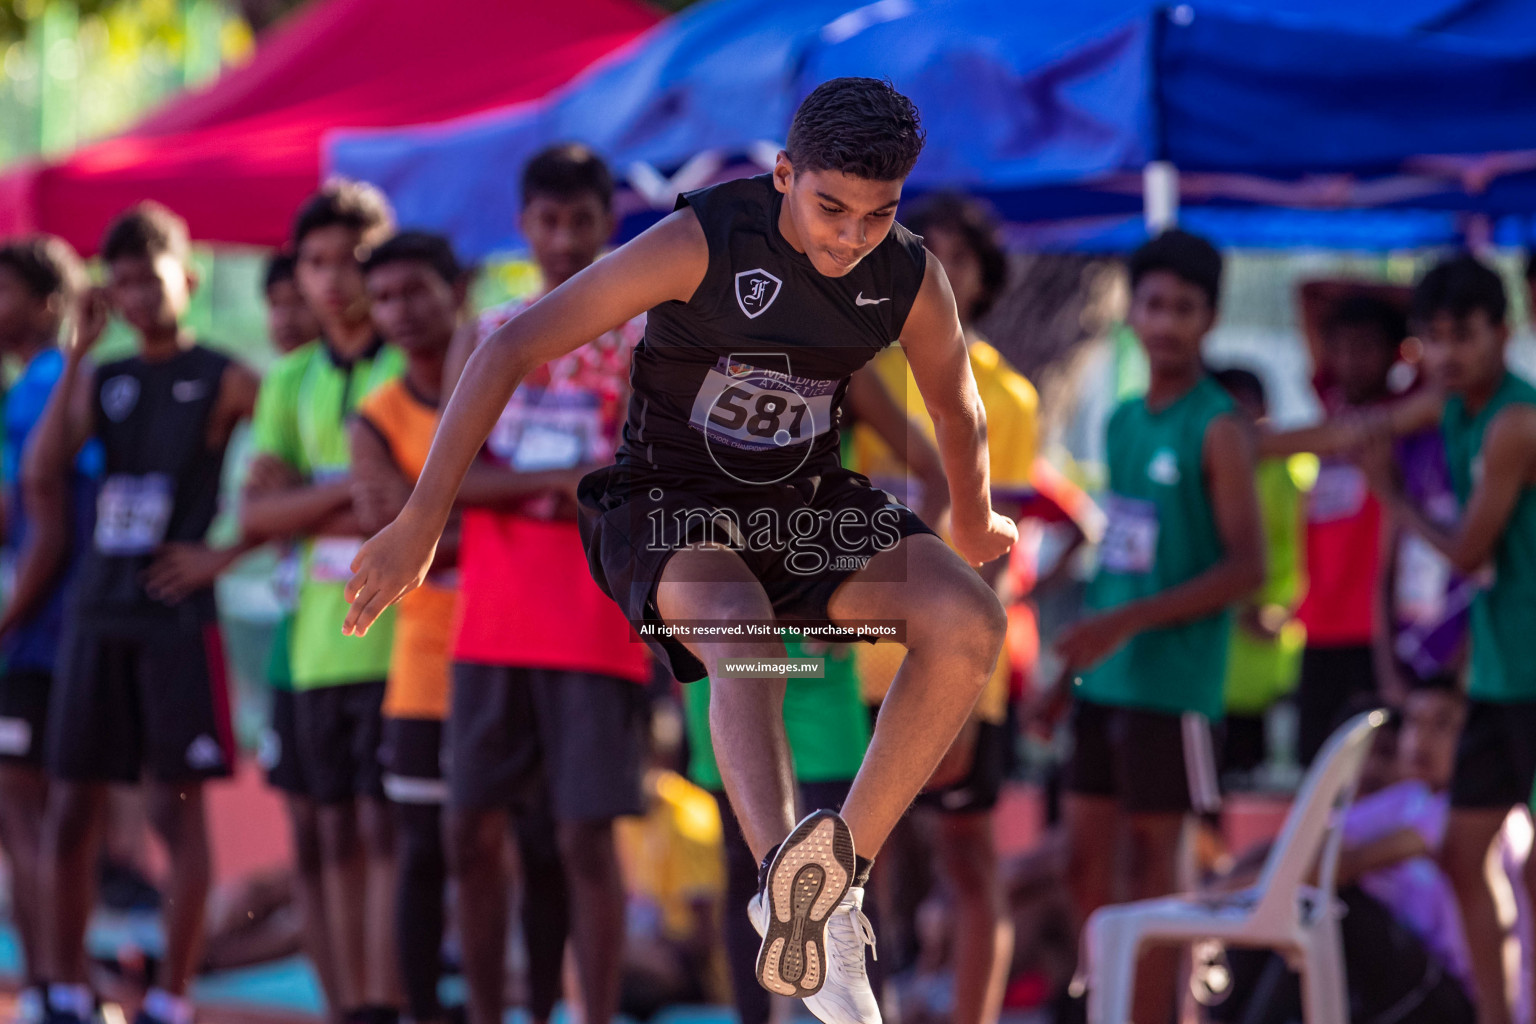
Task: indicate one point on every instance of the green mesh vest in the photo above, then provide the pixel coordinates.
(1503, 614)
(1162, 532)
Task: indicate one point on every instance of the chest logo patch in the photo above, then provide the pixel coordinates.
(755, 291)
(118, 397)
(189, 390)
(1164, 468)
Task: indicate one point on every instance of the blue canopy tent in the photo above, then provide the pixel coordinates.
(1051, 110)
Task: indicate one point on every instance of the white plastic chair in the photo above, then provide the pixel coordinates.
(1281, 912)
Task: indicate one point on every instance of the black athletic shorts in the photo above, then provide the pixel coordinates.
(278, 749)
(1496, 757)
(1331, 678)
(412, 757)
(983, 784)
(150, 701)
(340, 728)
(572, 742)
(24, 716)
(801, 537)
(1150, 762)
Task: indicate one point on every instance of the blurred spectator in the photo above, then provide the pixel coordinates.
(672, 858)
(1404, 948)
(290, 325)
(298, 489)
(546, 728)
(416, 290)
(1184, 544)
(964, 791)
(40, 278)
(142, 691)
(1355, 332)
(1266, 637)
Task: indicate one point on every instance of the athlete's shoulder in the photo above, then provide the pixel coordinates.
(755, 190)
(292, 365)
(900, 239)
(1126, 409)
(118, 367)
(212, 358)
(1520, 389)
(45, 368)
(384, 400)
(1212, 400)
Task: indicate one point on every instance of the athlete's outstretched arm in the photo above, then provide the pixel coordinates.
(665, 264)
(935, 348)
(1340, 434)
(1227, 458)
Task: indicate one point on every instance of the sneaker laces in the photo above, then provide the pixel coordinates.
(851, 931)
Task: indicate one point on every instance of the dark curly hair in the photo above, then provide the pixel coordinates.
(1187, 256)
(147, 231)
(974, 222)
(353, 204)
(46, 264)
(565, 172)
(858, 126)
(1458, 286)
(417, 247)
(1372, 313)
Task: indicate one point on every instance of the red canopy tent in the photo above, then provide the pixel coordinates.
(236, 158)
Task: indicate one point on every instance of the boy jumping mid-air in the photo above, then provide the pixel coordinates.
(728, 508)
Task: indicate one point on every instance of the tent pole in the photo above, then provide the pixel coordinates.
(1160, 195)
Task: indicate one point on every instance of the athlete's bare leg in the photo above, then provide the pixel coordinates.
(176, 811)
(23, 803)
(376, 830)
(476, 840)
(709, 583)
(954, 631)
(983, 931)
(72, 835)
(344, 880)
(1471, 833)
(1158, 847)
(309, 892)
(596, 915)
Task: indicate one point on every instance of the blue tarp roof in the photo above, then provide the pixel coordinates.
(1048, 107)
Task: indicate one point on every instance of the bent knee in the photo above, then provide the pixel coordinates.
(587, 850)
(964, 618)
(473, 840)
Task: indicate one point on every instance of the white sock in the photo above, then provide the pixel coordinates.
(163, 1006)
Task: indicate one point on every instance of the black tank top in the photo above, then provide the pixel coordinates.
(746, 379)
(161, 481)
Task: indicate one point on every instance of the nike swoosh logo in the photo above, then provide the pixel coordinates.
(862, 301)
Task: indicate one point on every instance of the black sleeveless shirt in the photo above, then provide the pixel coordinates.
(745, 380)
(161, 481)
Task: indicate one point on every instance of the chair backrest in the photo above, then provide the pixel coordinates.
(1314, 829)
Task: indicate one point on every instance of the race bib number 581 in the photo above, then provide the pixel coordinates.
(753, 408)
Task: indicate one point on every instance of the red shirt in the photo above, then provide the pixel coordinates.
(526, 595)
(1343, 549)
(1343, 539)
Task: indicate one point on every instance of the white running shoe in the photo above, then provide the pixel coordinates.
(846, 996)
(808, 877)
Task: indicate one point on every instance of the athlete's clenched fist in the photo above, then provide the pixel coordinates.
(991, 541)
